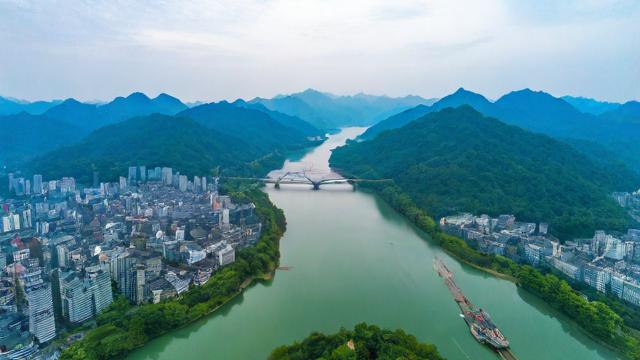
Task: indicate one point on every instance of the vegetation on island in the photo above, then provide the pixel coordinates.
(458, 160)
(123, 327)
(613, 325)
(364, 342)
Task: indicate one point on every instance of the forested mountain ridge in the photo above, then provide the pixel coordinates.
(9, 106)
(590, 106)
(396, 121)
(91, 116)
(25, 135)
(249, 125)
(537, 111)
(154, 140)
(294, 122)
(628, 112)
(459, 160)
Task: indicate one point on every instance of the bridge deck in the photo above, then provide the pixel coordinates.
(506, 354)
(298, 179)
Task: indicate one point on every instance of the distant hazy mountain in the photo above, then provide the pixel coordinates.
(287, 120)
(628, 112)
(327, 111)
(590, 106)
(91, 116)
(11, 106)
(396, 121)
(543, 113)
(293, 106)
(154, 140)
(250, 125)
(71, 111)
(540, 112)
(25, 135)
(458, 98)
(458, 160)
(465, 97)
(138, 104)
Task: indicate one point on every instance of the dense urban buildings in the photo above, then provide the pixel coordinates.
(610, 264)
(154, 234)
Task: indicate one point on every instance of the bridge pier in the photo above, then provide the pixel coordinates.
(316, 186)
(353, 184)
(277, 185)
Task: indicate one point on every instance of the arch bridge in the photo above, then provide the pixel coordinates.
(301, 178)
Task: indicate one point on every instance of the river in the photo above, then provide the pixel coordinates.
(352, 259)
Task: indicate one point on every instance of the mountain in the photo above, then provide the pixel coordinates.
(327, 111)
(296, 107)
(616, 131)
(396, 121)
(154, 140)
(286, 120)
(457, 160)
(26, 135)
(541, 112)
(458, 98)
(73, 112)
(91, 116)
(138, 104)
(590, 106)
(250, 125)
(465, 97)
(11, 106)
(628, 112)
(167, 104)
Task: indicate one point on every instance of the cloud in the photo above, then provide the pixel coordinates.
(226, 49)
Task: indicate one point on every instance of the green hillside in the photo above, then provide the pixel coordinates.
(249, 125)
(155, 140)
(24, 136)
(363, 342)
(458, 160)
(396, 121)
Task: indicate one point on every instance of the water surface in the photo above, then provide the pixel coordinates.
(354, 259)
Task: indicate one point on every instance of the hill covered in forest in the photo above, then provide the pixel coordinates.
(457, 160)
(364, 342)
(154, 140)
(25, 135)
(250, 125)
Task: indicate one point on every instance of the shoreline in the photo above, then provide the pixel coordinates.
(502, 276)
(247, 283)
(91, 345)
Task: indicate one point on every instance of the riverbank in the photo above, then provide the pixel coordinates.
(123, 328)
(599, 321)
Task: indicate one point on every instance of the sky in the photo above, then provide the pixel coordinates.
(214, 50)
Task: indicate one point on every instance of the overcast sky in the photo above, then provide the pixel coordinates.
(212, 50)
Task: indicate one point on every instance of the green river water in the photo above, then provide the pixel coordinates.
(354, 259)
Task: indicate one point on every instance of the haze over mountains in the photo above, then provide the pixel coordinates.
(285, 122)
(615, 130)
(10, 106)
(259, 122)
(327, 111)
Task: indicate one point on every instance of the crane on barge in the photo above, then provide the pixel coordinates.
(480, 324)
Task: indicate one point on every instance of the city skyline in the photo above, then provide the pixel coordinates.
(213, 51)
